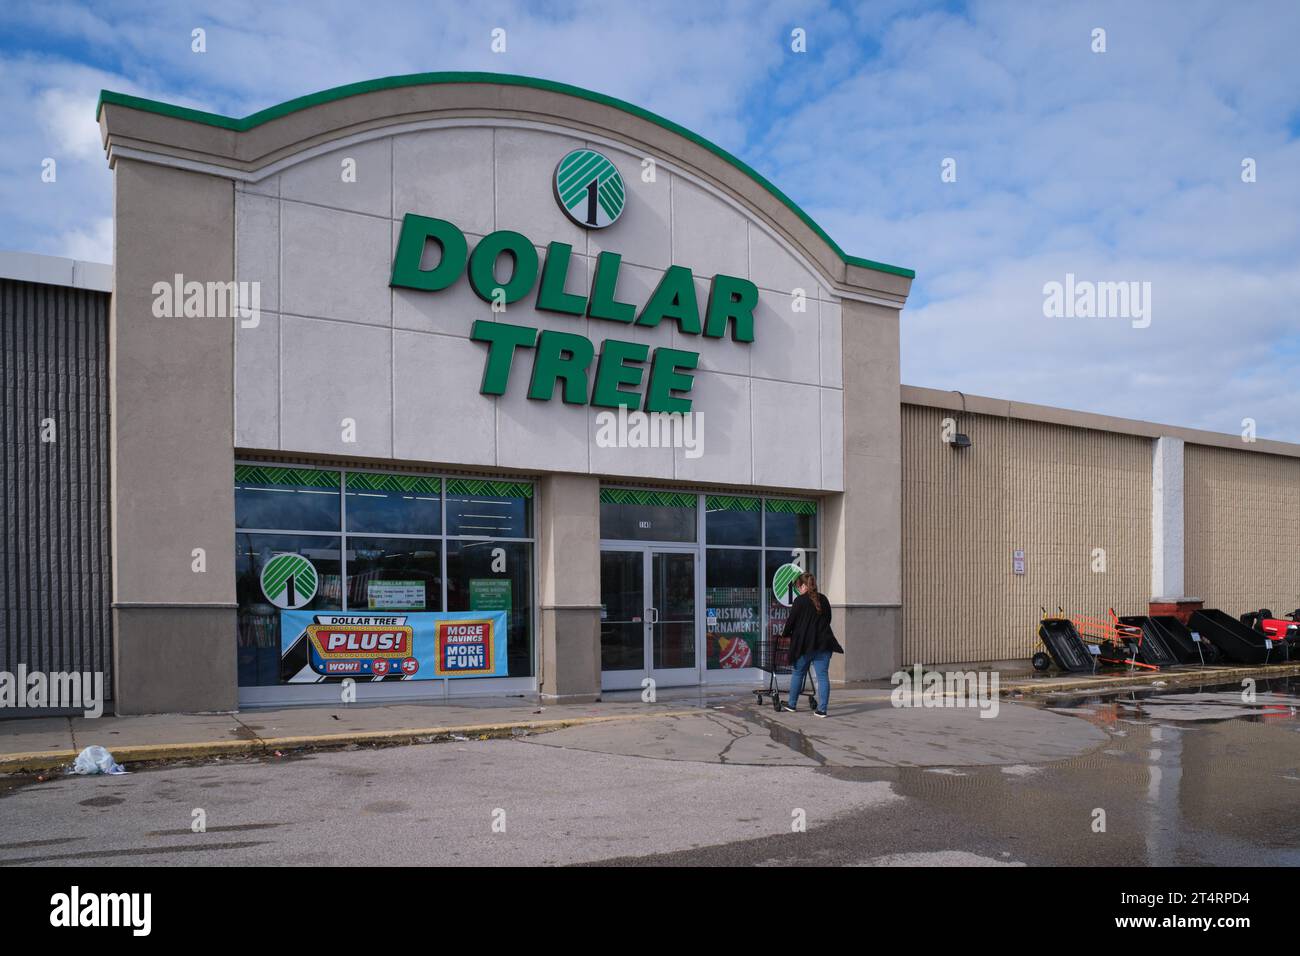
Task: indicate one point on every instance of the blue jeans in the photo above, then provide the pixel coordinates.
(821, 663)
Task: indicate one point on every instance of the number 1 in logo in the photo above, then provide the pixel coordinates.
(589, 189)
(289, 581)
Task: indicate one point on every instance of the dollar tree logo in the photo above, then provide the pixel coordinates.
(289, 581)
(783, 583)
(589, 189)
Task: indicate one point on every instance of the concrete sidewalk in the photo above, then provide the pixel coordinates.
(48, 743)
(30, 745)
(1111, 678)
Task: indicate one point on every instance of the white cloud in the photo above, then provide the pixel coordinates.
(92, 244)
(68, 117)
(1123, 165)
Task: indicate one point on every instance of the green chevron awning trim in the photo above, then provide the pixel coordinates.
(784, 506)
(484, 488)
(417, 484)
(635, 496)
(732, 503)
(285, 477)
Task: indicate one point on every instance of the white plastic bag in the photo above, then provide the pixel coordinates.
(95, 760)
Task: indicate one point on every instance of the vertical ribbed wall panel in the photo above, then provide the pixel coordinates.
(1054, 491)
(1242, 527)
(54, 542)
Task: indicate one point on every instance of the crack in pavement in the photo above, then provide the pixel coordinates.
(799, 742)
(735, 735)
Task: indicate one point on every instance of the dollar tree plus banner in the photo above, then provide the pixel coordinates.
(317, 647)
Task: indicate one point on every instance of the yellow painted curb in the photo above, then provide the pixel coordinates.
(37, 761)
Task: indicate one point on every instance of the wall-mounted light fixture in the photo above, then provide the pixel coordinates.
(960, 439)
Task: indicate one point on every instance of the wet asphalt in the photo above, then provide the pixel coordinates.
(1186, 776)
(1193, 776)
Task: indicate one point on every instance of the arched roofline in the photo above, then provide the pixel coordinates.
(339, 93)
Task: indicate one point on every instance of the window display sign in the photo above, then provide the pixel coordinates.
(420, 646)
(395, 594)
(733, 626)
(466, 648)
(489, 594)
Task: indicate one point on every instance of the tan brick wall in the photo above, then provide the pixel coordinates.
(1242, 527)
(1056, 491)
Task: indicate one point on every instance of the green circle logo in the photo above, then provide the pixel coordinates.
(589, 189)
(289, 581)
(783, 583)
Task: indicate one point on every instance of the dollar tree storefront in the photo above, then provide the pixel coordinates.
(459, 384)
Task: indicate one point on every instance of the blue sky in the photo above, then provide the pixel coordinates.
(1115, 166)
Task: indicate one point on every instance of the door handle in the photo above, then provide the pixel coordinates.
(653, 613)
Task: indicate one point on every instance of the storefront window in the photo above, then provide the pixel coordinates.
(393, 504)
(259, 652)
(790, 524)
(754, 546)
(489, 509)
(629, 514)
(733, 614)
(392, 574)
(370, 542)
(286, 499)
(496, 576)
(731, 519)
(778, 611)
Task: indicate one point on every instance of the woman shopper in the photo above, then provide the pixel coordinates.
(811, 642)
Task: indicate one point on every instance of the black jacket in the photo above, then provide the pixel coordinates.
(809, 630)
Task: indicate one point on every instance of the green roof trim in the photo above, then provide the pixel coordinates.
(501, 79)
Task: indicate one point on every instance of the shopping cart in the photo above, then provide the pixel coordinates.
(773, 657)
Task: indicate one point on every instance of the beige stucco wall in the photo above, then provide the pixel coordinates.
(568, 580)
(171, 435)
(861, 527)
(321, 247)
(270, 205)
(1242, 520)
(1056, 491)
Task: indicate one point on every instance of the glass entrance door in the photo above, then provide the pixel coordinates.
(622, 617)
(649, 622)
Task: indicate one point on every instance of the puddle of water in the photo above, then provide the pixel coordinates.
(1191, 776)
(1263, 700)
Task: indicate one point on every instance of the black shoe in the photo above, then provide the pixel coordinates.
(819, 713)
(788, 709)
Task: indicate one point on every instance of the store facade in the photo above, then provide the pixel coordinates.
(465, 384)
